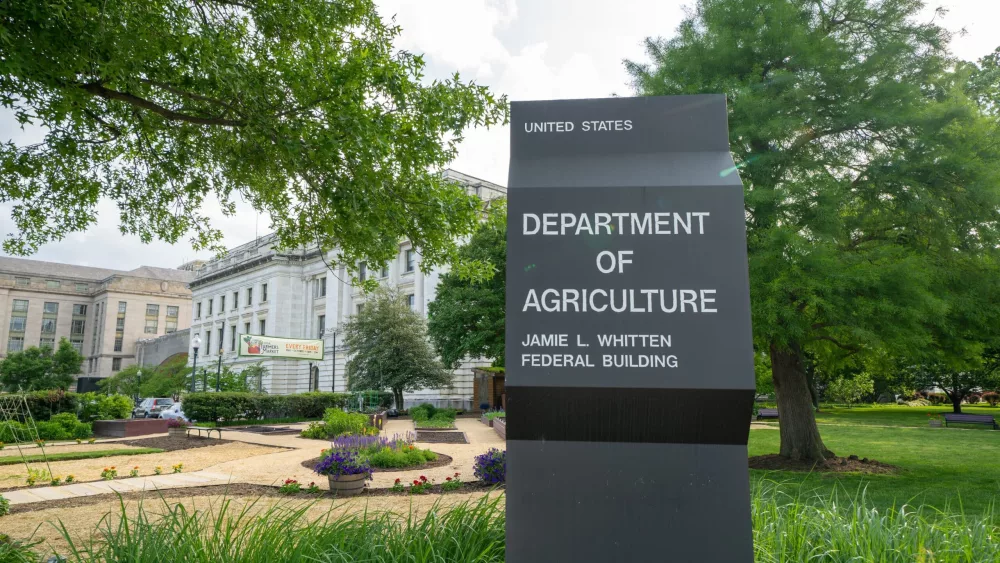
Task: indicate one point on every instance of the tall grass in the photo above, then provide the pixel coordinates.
(839, 528)
(467, 532)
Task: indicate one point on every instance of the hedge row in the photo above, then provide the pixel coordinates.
(232, 406)
(87, 406)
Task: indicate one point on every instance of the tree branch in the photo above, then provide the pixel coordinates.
(837, 343)
(96, 89)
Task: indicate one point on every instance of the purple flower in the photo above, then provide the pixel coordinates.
(339, 463)
(491, 466)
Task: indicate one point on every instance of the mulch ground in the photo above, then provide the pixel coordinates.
(850, 464)
(166, 443)
(441, 437)
(441, 461)
(231, 490)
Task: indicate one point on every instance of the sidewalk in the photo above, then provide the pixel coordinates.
(150, 483)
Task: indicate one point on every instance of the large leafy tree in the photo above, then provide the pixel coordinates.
(466, 318)
(390, 349)
(41, 368)
(959, 381)
(870, 164)
(302, 108)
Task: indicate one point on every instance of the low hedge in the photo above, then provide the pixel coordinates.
(230, 406)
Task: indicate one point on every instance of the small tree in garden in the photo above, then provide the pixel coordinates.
(850, 390)
(41, 368)
(391, 351)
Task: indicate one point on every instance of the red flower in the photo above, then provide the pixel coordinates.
(447, 478)
(424, 479)
(397, 480)
(415, 482)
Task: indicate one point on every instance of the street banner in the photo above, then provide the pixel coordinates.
(272, 347)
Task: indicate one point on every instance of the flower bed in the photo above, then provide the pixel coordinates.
(382, 452)
(129, 428)
(500, 426)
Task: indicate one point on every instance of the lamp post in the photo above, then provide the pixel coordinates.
(218, 372)
(138, 383)
(310, 380)
(195, 344)
(333, 370)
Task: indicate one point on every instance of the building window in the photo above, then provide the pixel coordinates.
(319, 287)
(78, 326)
(321, 325)
(121, 307)
(17, 324)
(172, 311)
(197, 310)
(15, 344)
(120, 324)
(171, 326)
(81, 288)
(210, 306)
(361, 307)
(222, 304)
(77, 345)
(263, 293)
(51, 308)
(249, 296)
(118, 343)
(246, 328)
(48, 326)
(232, 338)
(208, 342)
(221, 339)
(411, 262)
(52, 284)
(49, 343)
(154, 310)
(22, 281)
(116, 364)
(236, 300)
(411, 300)
(385, 272)
(362, 271)
(263, 326)
(79, 309)
(20, 305)
(151, 326)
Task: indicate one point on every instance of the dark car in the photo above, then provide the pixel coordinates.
(151, 408)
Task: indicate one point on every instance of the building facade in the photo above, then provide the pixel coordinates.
(102, 312)
(259, 290)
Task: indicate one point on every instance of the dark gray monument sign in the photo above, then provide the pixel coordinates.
(629, 356)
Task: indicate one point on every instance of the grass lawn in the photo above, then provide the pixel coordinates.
(942, 467)
(13, 460)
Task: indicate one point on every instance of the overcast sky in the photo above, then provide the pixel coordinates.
(527, 49)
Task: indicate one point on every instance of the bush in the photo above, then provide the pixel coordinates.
(937, 398)
(339, 422)
(491, 467)
(388, 457)
(4, 506)
(230, 406)
(44, 404)
(992, 397)
(428, 411)
(71, 425)
(51, 431)
(973, 398)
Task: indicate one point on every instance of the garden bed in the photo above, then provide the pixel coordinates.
(441, 461)
(169, 444)
(850, 464)
(441, 437)
(500, 426)
(267, 430)
(130, 427)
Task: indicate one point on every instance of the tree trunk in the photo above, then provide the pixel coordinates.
(397, 395)
(800, 439)
(956, 402)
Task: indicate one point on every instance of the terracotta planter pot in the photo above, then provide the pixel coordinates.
(177, 432)
(347, 485)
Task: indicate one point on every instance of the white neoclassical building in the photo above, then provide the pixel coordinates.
(256, 289)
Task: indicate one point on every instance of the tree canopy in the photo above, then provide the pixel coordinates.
(467, 317)
(302, 108)
(871, 173)
(390, 347)
(36, 368)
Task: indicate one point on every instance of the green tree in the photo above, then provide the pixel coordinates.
(41, 368)
(390, 349)
(870, 163)
(167, 379)
(303, 108)
(958, 380)
(850, 390)
(125, 382)
(468, 314)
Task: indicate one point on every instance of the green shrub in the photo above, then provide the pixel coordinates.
(339, 422)
(423, 412)
(72, 426)
(392, 458)
(316, 431)
(13, 431)
(44, 404)
(114, 407)
(4, 506)
(230, 406)
(52, 431)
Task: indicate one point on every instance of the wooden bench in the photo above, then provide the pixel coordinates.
(971, 419)
(208, 431)
(767, 413)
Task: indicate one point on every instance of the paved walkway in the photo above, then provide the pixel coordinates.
(151, 483)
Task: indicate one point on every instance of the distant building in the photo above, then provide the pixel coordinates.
(102, 312)
(260, 290)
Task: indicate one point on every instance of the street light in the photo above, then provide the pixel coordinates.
(138, 383)
(218, 372)
(195, 344)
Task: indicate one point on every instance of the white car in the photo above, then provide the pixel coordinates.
(175, 411)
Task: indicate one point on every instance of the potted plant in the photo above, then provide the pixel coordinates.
(934, 421)
(177, 428)
(346, 470)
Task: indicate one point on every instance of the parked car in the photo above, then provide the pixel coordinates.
(151, 408)
(175, 411)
